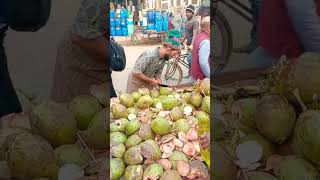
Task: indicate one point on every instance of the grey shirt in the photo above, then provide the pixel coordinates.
(150, 64)
(190, 27)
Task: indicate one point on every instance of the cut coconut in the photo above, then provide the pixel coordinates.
(192, 134)
(132, 117)
(187, 110)
(249, 152)
(183, 168)
(189, 149)
(165, 163)
(162, 114)
(182, 136)
(178, 143)
(196, 146)
(166, 155)
(168, 147)
(159, 105)
(177, 96)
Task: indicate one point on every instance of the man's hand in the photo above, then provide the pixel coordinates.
(154, 82)
(159, 80)
(205, 141)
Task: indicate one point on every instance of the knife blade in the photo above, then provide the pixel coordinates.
(163, 85)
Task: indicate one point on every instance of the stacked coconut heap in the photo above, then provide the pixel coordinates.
(154, 133)
(273, 131)
(54, 140)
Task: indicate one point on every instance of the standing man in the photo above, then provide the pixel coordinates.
(192, 28)
(148, 67)
(82, 55)
(200, 67)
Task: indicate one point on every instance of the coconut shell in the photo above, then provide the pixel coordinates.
(133, 156)
(151, 150)
(165, 163)
(126, 100)
(72, 154)
(117, 168)
(119, 111)
(177, 156)
(153, 171)
(133, 172)
(146, 132)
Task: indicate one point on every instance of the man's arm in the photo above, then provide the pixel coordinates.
(96, 48)
(204, 53)
(306, 22)
(195, 31)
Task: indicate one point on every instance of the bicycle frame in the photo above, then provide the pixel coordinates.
(237, 6)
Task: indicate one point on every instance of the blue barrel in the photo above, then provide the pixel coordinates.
(150, 17)
(158, 26)
(124, 31)
(113, 31)
(118, 31)
(165, 16)
(151, 27)
(112, 22)
(117, 22)
(165, 26)
(123, 14)
(112, 14)
(141, 23)
(158, 16)
(123, 23)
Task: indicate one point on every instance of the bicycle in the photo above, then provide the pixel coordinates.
(174, 69)
(222, 26)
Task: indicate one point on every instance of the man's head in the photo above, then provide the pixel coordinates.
(205, 24)
(190, 11)
(171, 46)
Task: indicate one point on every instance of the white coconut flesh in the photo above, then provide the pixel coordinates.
(159, 105)
(187, 110)
(162, 114)
(131, 117)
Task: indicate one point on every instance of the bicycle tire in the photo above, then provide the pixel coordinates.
(173, 66)
(227, 41)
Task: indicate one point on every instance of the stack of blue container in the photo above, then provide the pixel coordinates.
(157, 21)
(165, 23)
(119, 27)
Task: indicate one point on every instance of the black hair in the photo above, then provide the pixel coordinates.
(171, 14)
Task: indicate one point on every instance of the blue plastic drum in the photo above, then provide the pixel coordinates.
(123, 23)
(113, 31)
(124, 31)
(150, 17)
(112, 22)
(158, 26)
(112, 14)
(118, 31)
(158, 16)
(117, 22)
(165, 16)
(165, 26)
(151, 27)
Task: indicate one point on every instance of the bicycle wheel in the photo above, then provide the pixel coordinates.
(173, 73)
(222, 42)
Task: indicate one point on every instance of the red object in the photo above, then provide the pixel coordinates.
(196, 71)
(170, 26)
(275, 32)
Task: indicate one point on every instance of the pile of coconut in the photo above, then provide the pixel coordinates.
(271, 131)
(51, 141)
(155, 133)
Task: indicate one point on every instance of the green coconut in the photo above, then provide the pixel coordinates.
(202, 116)
(162, 97)
(306, 139)
(117, 168)
(164, 91)
(118, 150)
(171, 174)
(136, 96)
(144, 102)
(155, 101)
(126, 100)
(4, 133)
(132, 126)
(146, 132)
(306, 69)
(176, 113)
(133, 156)
(122, 124)
(297, 169)
(150, 150)
(117, 138)
(133, 141)
(186, 97)
(133, 172)
(205, 106)
(97, 132)
(203, 87)
(275, 118)
(101, 93)
(267, 147)
(192, 119)
(256, 175)
(119, 111)
(133, 110)
(160, 126)
(181, 125)
(153, 171)
(144, 91)
(54, 123)
(223, 166)
(154, 93)
(71, 154)
(113, 127)
(196, 99)
(30, 156)
(169, 103)
(247, 107)
(177, 156)
(84, 107)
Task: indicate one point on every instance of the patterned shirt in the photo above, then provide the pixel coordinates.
(150, 64)
(91, 20)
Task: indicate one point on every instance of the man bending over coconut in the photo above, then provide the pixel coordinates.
(148, 67)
